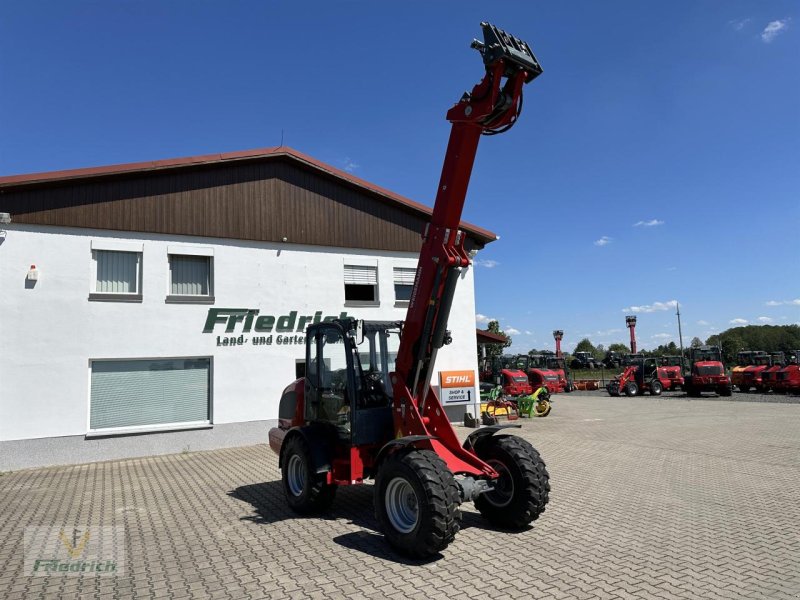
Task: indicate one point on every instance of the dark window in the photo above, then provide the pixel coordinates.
(359, 293)
(360, 283)
(402, 292)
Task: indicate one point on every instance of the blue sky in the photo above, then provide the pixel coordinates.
(656, 158)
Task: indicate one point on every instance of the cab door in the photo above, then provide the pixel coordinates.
(329, 387)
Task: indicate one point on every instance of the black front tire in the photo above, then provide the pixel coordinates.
(725, 391)
(417, 502)
(523, 490)
(631, 389)
(306, 492)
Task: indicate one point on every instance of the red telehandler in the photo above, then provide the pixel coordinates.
(639, 377)
(355, 415)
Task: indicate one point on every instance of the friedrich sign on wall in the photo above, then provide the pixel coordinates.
(457, 387)
(246, 326)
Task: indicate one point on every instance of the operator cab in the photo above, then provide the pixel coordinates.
(347, 386)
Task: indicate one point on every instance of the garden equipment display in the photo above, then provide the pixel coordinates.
(538, 404)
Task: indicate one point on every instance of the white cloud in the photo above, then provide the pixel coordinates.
(765, 319)
(603, 241)
(773, 28)
(485, 262)
(701, 322)
(482, 319)
(511, 331)
(650, 223)
(672, 268)
(795, 302)
(528, 332)
(350, 165)
(738, 321)
(738, 24)
(661, 336)
(648, 308)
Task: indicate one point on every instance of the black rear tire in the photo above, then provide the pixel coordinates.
(523, 489)
(417, 502)
(725, 391)
(656, 388)
(744, 388)
(306, 492)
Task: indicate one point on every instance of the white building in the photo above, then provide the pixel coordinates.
(158, 307)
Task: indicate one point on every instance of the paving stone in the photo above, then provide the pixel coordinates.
(651, 498)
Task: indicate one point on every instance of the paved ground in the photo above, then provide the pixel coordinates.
(652, 498)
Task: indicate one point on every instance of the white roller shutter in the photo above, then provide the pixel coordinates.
(360, 275)
(138, 393)
(404, 276)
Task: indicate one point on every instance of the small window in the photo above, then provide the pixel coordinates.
(361, 284)
(403, 284)
(118, 276)
(190, 278)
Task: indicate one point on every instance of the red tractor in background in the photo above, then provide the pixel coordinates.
(706, 372)
(640, 377)
(769, 376)
(787, 380)
(558, 365)
(352, 418)
(752, 375)
(539, 375)
(744, 359)
(501, 371)
(670, 372)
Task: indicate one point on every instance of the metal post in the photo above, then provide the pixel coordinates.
(680, 333)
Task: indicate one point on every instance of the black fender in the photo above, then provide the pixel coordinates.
(475, 437)
(317, 439)
(398, 443)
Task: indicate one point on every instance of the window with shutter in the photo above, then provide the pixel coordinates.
(191, 278)
(118, 275)
(403, 284)
(149, 393)
(361, 284)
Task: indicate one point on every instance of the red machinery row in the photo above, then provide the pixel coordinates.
(767, 371)
(521, 374)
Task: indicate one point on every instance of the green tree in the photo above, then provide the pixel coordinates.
(696, 342)
(493, 350)
(585, 345)
(622, 348)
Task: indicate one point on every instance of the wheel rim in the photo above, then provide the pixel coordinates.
(541, 407)
(503, 491)
(296, 475)
(402, 505)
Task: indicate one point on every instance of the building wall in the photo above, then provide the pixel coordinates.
(50, 331)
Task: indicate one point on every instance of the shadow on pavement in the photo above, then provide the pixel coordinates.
(353, 503)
